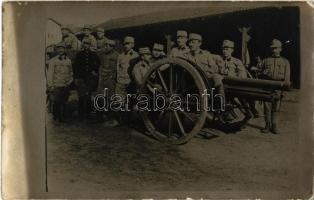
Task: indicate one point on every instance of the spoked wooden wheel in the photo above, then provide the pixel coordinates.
(179, 87)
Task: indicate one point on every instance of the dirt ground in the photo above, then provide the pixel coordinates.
(89, 159)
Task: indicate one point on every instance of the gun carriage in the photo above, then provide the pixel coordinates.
(176, 76)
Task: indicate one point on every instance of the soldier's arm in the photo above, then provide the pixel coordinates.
(212, 63)
(242, 73)
(70, 73)
(287, 72)
(137, 75)
(50, 72)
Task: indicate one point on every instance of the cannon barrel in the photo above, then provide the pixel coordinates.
(256, 83)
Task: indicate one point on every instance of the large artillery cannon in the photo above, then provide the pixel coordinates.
(180, 78)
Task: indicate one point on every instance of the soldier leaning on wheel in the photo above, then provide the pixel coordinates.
(59, 77)
(181, 48)
(205, 60)
(234, 67)
(141, 68)
(275, 68)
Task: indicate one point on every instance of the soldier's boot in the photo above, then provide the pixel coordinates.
(274, 129)
(266, 129)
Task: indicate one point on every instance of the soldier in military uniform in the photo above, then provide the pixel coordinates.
(123, 65)
(59, 77)
(107, 77)
(205, 61)
(71, 42)
(87, 30)
(234, 67)
(141, 68)
(181, 49)
(101, 39)
(86, 68)
(275, 68)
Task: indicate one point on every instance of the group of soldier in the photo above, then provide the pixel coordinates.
(97, 65)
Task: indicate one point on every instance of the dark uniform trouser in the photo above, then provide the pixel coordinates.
(108, 84)
(60, 96)
(85, 89)
(270, 112)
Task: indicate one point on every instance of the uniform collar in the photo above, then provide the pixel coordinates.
(228, 59)
(182, 48)
(130, 52)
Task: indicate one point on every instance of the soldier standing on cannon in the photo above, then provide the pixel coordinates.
(181, 49)
(59, 77)
(86, 66)
(234, 67)
(107, 78)
(274, 68)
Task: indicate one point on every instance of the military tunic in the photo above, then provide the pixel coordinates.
(278, 69)
(204, 60)
(101, 43)
(139, 71)
(179, 52)
(233, 67)
(107, 71)
(123, 64)
(123, 69)
(60, 72)
(92, 40)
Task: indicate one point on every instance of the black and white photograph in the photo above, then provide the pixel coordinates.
(174, 100)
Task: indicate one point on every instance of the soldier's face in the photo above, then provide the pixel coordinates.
(227, 52)
(86, 31)
(100, 34)
(65, 32)
(276, 51)
(182, 40)
(195, 44)
(156, 53)
(128, 46)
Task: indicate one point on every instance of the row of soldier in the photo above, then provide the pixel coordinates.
(98, 65)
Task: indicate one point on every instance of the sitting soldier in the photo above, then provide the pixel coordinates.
(206, 61)
(234, 67)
